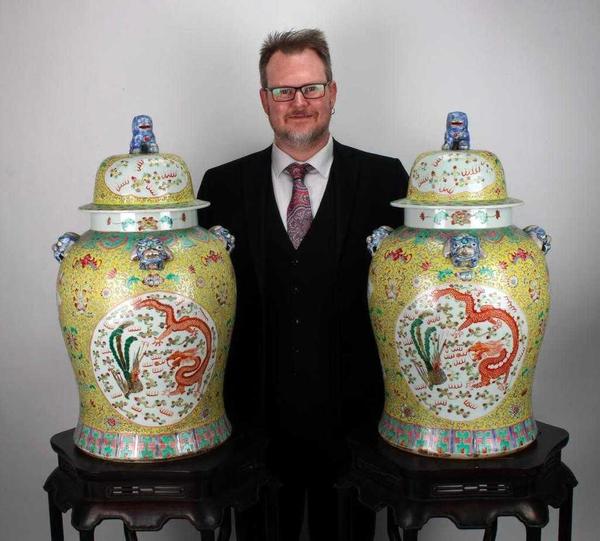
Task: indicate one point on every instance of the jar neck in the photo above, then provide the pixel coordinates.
(458, 218)
(143, 220)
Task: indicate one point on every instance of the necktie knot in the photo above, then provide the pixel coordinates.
(298, 170)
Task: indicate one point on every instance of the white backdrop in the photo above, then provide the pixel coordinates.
(73, 73)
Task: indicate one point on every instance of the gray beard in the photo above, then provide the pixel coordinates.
(300, 140)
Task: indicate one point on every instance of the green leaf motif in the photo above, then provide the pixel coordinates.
(132, 280)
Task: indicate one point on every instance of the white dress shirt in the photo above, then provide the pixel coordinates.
(315, 180)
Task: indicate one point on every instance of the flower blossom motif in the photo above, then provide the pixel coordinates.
(114, 172)
(105, 293)
(461, 217)
(71, 340)
(391, 290)
(153, 280)
(426, 265)
(407, 411)
(137, 183)
(534, 290)
(515, 410)
(221, 293)
(147, 222)
(503, 265)
(513, 281)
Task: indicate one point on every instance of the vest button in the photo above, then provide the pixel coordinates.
(295, 290)
(297, 321)
(295, 262)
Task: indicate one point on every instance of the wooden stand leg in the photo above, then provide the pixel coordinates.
(86, 535)
(392, 528)
(533, 534)
(490, 532)
(225, 529)
(271, 511)
(565, 517)
(130, 535)
(344, 517)
(411, 535)
(56, 524)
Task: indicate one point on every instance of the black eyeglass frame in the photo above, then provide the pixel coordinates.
(301, 88)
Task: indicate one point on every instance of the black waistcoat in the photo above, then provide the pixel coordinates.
(301, 331)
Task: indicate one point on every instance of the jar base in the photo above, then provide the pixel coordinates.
(128, 447)
(457, 443)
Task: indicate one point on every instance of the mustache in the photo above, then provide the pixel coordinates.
(299, 112)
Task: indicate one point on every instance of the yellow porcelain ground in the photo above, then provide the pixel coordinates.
(134, 335)
(408, 269)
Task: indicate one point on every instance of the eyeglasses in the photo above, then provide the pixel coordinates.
(311, 91)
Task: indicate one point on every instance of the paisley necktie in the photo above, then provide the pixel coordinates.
(299, 213)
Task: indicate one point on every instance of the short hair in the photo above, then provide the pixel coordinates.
(294, 41)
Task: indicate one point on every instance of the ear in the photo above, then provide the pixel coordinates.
(264, 100)
(332, 94)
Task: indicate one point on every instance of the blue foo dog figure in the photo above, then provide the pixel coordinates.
(457, 132)
(143, 140)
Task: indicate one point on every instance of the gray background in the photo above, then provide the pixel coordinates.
(72, 74)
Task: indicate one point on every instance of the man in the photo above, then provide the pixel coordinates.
(303, 363)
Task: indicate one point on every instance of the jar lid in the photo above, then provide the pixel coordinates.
(456, 175)
(144, 178)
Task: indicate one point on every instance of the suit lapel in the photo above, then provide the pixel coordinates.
(256, 179)
(344, 173)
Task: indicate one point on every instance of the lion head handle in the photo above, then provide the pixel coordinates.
(375, 238)
(224, 236)
(540, 237)
(151, 253)
(63, 245)
(463, 251)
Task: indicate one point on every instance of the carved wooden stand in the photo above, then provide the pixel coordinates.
(202, 489)
(472, 493)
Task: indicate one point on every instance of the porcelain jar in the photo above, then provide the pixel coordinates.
(147, 302)
(458, 298)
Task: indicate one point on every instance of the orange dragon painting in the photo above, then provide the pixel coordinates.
(494, 361)
(186, 374)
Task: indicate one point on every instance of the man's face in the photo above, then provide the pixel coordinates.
(301, 122)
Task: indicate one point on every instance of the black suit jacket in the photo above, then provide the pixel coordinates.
(238, 192)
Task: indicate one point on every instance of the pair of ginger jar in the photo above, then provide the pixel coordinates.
(458, 299)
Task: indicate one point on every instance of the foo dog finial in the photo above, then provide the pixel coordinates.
(457, 132)
(143, 140)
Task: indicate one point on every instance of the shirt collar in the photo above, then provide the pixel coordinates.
(321, 161)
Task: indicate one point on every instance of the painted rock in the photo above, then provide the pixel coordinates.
(459, 299)
(146, 302)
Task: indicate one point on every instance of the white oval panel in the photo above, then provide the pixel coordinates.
(153, 357)
(460, 349)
